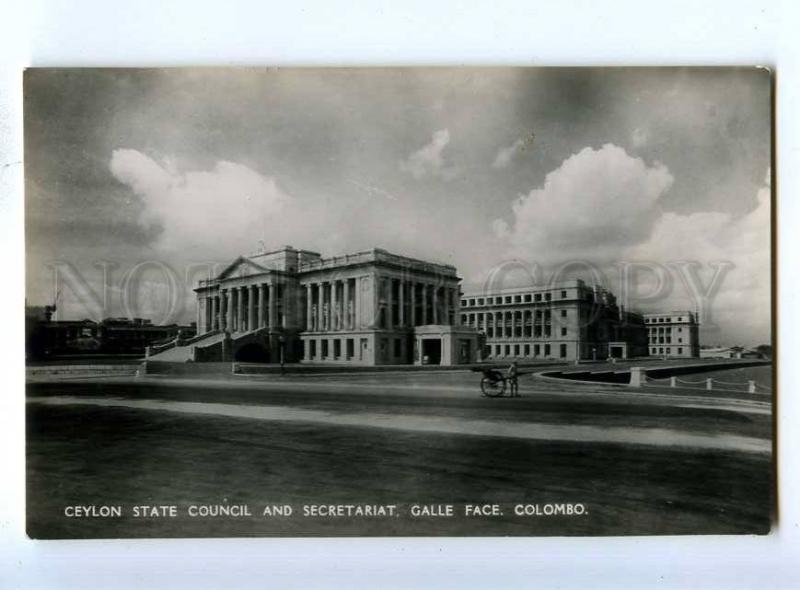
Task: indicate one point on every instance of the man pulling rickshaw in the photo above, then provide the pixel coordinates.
(494, 382)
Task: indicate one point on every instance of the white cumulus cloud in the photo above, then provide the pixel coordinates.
(428, 160)
(200, 208)
(599, 201)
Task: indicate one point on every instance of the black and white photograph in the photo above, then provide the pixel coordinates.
(399, 302)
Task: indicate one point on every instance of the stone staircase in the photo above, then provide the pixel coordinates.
(204, 347)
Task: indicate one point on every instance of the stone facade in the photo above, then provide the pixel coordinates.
(361, 308)
(673, 334)
(568, 321)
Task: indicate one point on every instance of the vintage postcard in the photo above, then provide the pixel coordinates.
(398, 302)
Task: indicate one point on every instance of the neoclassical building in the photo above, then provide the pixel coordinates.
(371, 307)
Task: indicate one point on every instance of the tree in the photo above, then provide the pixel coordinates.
(765, 350)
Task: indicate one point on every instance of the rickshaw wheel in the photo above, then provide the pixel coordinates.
(493, 387)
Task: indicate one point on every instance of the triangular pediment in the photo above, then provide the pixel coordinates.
(241, 267)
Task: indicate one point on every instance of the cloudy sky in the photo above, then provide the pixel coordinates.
(657, 179)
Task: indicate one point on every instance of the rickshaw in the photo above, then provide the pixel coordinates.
(493, 382)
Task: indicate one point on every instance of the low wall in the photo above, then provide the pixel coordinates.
(623, 376)
(80, 370)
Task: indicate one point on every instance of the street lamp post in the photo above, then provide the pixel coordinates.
(282, 344)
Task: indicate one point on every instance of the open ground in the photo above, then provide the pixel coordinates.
(639, 461)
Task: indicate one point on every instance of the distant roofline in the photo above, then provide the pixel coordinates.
(376, 253)
(523, 290)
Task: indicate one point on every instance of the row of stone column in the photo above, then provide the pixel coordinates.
(336, 304)
(241, 309)
(429, 304)
(333, 305)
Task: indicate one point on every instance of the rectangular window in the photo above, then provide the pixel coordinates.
(496, 350)
(653, 351)
(398, 347)
(536, 350)
(508, 350)
(680, 350)
(516, 350)
(528, 298)
(527, 350)
(563, 331)
(312, 349)
(537, 297)
(508, 299)
(546, 350)
(324, 349)
(547, 296)
(480, 301)
(337, 348)
(518, 299)
(563, 351)
(350, 348)
(490, 332)
(563, 313)
(563, 294)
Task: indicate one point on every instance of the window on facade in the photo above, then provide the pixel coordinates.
(497, 350)
(537, 297)
(680, 350)
(518, 299)
(508, 299)
(337, 348)
(516, 350)
(480, 301)
(536, 350)
(508, 350)
(563, 313)
(563, 351)
(527, 350)
(546, 350)
(350, 348)
(324, 349)
(563, 294)
(528, 298)
(490, 332)
(547, 296)
(563, 331)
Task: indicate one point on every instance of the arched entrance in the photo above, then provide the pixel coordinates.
(252, 353)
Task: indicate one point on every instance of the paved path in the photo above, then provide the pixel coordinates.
(659, 437)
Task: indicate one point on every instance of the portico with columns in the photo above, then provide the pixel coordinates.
(361, 308)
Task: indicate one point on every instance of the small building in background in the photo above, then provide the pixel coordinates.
(673, 334)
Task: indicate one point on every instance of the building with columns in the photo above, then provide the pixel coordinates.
(371, 307)
(566, 321)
